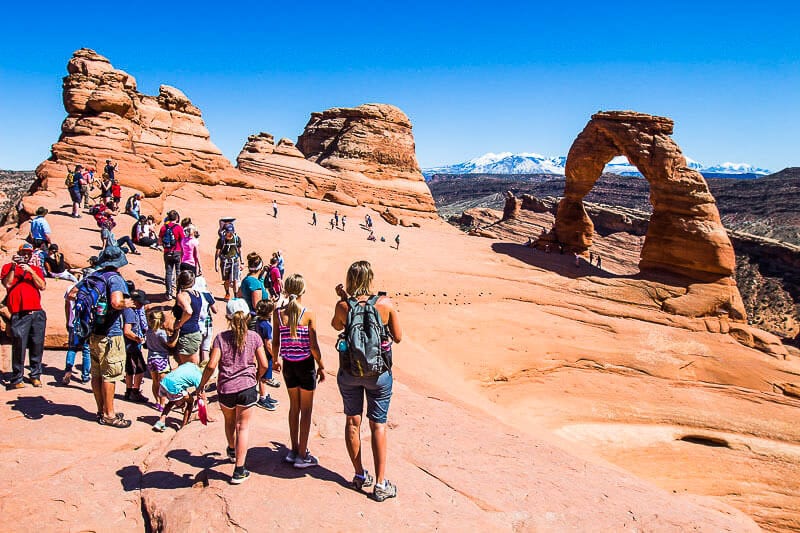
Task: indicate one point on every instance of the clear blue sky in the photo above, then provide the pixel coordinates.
(473, 77)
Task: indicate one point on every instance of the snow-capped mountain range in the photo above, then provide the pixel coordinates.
(532, 163)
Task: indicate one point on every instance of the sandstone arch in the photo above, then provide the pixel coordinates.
(685, 235)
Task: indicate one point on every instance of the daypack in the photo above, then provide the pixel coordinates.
(168, 240)
(230, 249)
(359, 345)
(92, 303)
(70, 181)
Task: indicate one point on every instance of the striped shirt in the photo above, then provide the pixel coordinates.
(294, 348)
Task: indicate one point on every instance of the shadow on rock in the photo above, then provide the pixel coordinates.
(269, 462)
(37, 407)
(554, 262)
(133, 479)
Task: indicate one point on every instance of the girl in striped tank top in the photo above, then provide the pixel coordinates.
(296, 344)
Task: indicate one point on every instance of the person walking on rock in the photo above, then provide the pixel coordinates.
(397, 241)
(171, 237)
(296, 343)
(106, 342)
(24, 283)
(354, 301)
(228, 259)
(313, 218)
(236, 352)
(274, 209)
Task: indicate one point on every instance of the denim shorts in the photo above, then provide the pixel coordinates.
(378, 391)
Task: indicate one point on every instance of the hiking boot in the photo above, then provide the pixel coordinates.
(36, 382)
(306, 462)
(290, 457)
(231, 454)
(363, 481)
(272, 382)
(264, 403)
(240, 475)
(383, 491)
(136, 396)
(100, 416)
(21, 385)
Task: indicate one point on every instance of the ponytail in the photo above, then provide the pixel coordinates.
(238, 323)
(294, 287)
(293, 310)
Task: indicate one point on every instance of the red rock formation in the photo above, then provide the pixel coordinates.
(371, 148)
(685, 235)
(153, 138)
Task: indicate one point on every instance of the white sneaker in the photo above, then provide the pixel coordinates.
(305, 462)
(290, 457)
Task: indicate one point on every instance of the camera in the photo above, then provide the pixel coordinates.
(21, 258)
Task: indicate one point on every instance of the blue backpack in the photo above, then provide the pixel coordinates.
(92, 304)
(168, 240)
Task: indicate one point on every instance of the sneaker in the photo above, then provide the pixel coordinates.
(36, 382)
(159, 426)
(290, 457)
(158, 407)
(306, 462)
(66, 378)
(272, 382)
(21, 385)
(363, 481)
(264, 403)
(386, 490)
(273, 401)
(240, 476)
(231, 454)
(86, 379)
(136, 396)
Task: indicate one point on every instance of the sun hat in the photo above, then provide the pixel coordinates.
(139, 297)
(235, 305)
(111, 257)
(26, 247)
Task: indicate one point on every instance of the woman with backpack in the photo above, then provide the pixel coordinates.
(371, 377)
(296, 343)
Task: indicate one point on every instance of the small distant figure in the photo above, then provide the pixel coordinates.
(344, 220)
(274, 209)
(332, 223)
(530, 242)
(110, 170)
(591, 258)
(547, 248)
(599, 261)
(116, 193)
(368, 221)
(561, 248)
(397, 242)
(313, 218)
(371, 236)
(336, 218)
(577, 259)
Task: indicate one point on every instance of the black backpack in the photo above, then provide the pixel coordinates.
(360, 350)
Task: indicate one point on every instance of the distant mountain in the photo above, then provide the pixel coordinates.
(532, 163)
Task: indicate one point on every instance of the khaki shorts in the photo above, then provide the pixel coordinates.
(108, 357)
(189, 343)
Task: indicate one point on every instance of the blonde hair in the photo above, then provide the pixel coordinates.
(294, 287)
(238, 322)
(155, 320)
(359, 279)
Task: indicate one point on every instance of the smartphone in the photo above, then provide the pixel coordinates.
(381, 293)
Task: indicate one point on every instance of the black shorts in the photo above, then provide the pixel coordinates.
(301, 374)
(134, 360)
(244, 398)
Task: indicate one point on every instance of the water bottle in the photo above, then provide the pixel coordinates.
(101, 308)
(342, 344)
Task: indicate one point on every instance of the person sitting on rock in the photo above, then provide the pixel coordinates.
(133, 205)
(55, 267)
(143, 234)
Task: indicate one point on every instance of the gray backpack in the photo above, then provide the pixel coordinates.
(359, 345)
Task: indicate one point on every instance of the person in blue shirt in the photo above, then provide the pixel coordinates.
(40, 229)
(177, 388)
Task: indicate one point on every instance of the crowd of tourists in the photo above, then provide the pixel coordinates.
(270, 331)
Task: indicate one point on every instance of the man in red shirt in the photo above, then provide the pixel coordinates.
(23, 282)
(171, 236)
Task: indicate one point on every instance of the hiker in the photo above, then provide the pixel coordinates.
(252, 289)
(227, 258)
(336, 217)
(75, 343)
(176, 390)
(116, 193)
(106, 195)
(55, 267)
(591, 258)
(263, 327)
(171, 237)
(188, 305)
(158, 348)
(599, 261)
(109, 171)
(279, 264)
(40, 229)
(75, 186)
(24, 283)
(397, 241)
(313, 218)
(190, 260)
(87, 185)
(356, 305)
(371, 236)
(133, 205)
(344, 221)
(143, 234)
(236, 352)
(274, 209)
(274, 281)
(368, 221)
(331, 224)
(108, 239)
(577, 259)
(296, 343)
(135, 332)
(207, 308)
(106, 340)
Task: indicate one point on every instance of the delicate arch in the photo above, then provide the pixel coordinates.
(685, 234)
